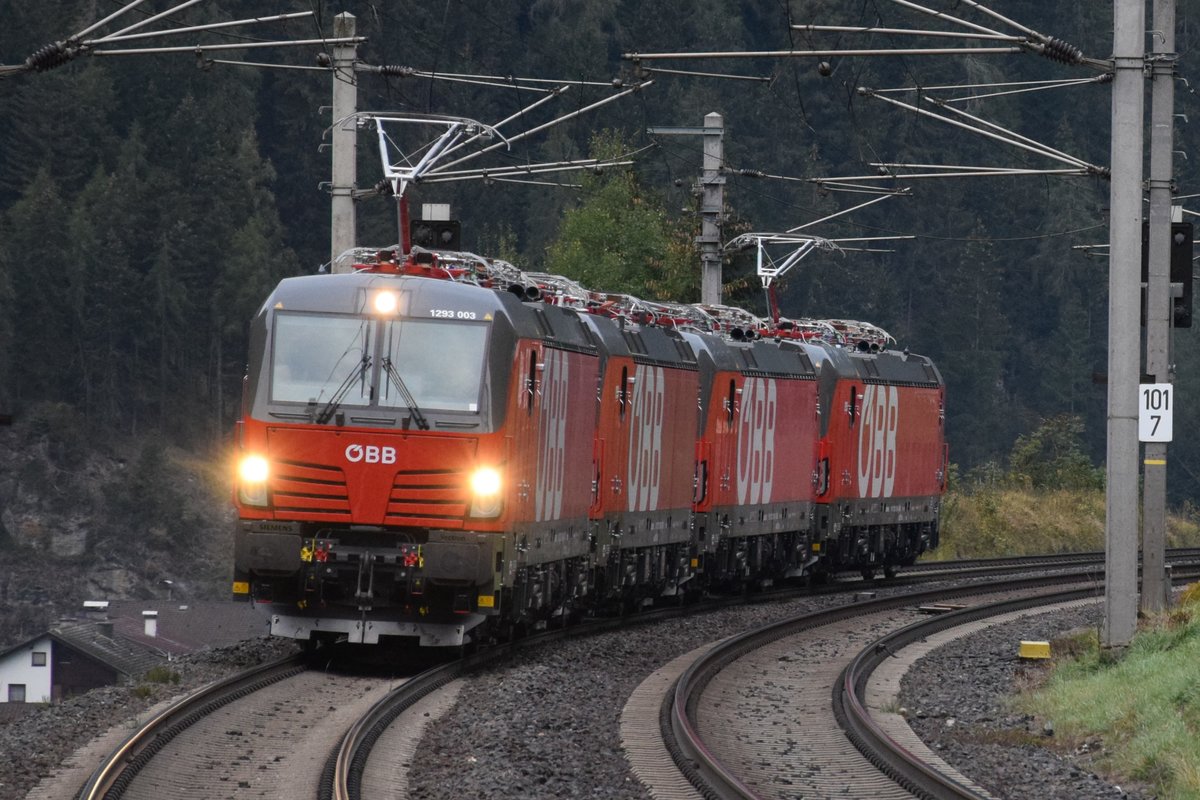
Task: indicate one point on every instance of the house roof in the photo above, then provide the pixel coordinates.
(116, 651)
(187, 627)
(181, 629)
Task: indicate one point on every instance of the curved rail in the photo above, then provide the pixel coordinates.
(342, 776)
(693, 757)
(891, 757)
(113, 776)
(1177, 555)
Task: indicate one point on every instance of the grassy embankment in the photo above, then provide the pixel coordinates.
(1138, 716)
(1004, 521)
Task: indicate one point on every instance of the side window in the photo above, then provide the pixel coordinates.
(39, 658)
(731, 402)
(531, 382)
(623, 392)
(852, 408)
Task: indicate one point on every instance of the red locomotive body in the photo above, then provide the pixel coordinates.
(883, 458)
(643, 461)
(384, 436)
(756, 458)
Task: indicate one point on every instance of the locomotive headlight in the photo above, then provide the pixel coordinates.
(485, 491)
(386, 302)
(253, 471)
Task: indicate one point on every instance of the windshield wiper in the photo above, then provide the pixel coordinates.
(409, 400)
(332, 406)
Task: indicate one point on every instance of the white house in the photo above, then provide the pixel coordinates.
(26, 672)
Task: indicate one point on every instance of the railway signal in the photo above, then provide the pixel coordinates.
(1182, 247)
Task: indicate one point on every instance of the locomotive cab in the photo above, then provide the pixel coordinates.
(371, 470)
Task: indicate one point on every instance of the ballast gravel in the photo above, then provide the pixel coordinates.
(956, 701)
(35, 743)
(546, 723)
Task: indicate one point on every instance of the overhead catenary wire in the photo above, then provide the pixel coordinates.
(202, 48)
(551, 123)
(836, 214)
(403, 73)
(1016, 142)
(965, 173)
(898, 51)
(143, 23)
(1042, 147)
(193, 28)
(833, 184)
(920, 235)
(839, 185)
(101, 23)
(581, 163)
(1102, 78)
(696, 73)
(536, 183)
(59, 53)
(808, 28)
(947, 17)
(516, 115)
(1001, 18)
(1049, 83)
(265, 65)
(534, 169)
(510, 79)
(889, 165)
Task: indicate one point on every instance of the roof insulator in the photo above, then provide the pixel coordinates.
(1058, 50)
(49, 57)
(397, 71)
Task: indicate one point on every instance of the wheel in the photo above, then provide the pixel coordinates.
(889, 571)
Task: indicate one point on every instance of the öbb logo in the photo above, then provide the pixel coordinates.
(552, 433)
(877, 441)
(370, 454)
(756, 441)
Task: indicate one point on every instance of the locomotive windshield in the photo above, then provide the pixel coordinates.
(315, 354)
(441, 364)
(403, 364)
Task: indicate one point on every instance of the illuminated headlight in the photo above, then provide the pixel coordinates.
(252, 480)
(485, 493)
(386, 302)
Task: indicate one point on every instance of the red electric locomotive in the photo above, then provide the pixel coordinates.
(409, 447)
(441, 448)
(883, 458)
(756, 456)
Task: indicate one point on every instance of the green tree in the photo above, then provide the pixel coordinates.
(7, 339)
(42, 343)
(619, 239)
(1052, 457)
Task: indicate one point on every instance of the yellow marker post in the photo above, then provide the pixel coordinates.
(1034, 650)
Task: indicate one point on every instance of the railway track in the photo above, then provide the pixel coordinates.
(371, 726)
(779, 679)
(114, 775)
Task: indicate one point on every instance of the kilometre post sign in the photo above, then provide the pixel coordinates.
(1155, 405)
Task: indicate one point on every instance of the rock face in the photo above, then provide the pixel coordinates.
(82, 518)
